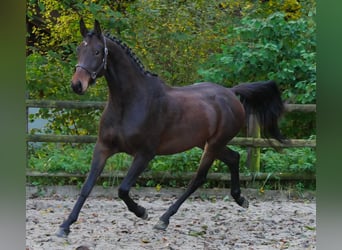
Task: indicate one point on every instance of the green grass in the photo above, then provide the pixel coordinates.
(57, 157)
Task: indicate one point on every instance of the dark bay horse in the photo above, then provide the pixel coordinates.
(144, 117)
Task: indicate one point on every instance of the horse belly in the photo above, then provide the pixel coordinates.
(178, 140)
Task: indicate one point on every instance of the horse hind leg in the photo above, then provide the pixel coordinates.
(231, 158)
(200, 177)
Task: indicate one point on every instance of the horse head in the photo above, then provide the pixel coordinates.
(91, 58)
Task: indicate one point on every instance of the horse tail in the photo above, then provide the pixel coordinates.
(263, 100)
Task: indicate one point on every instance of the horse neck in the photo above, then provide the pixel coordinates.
(126, 80)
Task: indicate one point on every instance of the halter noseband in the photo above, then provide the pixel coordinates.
(93, 74)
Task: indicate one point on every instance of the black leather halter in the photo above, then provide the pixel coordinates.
(93, 74)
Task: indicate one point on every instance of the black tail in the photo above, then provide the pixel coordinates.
(262, 99)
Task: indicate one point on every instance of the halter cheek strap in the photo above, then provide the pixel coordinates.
(103, 65)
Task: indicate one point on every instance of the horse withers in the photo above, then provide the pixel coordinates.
(145, 117)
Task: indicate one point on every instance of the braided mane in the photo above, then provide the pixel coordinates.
(131, 54)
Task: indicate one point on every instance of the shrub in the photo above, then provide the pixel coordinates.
(269, 48)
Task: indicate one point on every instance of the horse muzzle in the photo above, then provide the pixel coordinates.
(78, 88)
(80, 81)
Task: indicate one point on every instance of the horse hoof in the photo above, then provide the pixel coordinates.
(62, 232)
(244, 203)
(145, 215)
(82, 248)
(161, 225)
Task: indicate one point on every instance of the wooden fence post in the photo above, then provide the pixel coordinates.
(253, 153)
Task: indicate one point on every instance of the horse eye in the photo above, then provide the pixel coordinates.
(97, 52)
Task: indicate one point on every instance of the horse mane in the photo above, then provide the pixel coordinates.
(131, 54)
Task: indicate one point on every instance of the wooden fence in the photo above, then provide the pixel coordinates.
(241, 141)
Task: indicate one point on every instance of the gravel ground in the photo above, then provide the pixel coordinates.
(205, 221)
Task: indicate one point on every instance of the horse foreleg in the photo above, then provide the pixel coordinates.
(140, 162)
(100, 156)
(200, 177)
(232, 158)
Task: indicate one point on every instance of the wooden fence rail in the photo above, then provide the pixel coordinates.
(99, 104)
(240, 141)
(250, 142)
(166, 175)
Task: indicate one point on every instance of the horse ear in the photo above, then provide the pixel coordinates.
(97, 28)
(83, 28)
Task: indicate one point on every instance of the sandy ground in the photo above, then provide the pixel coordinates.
(205, 221)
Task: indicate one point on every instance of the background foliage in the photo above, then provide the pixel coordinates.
(226, 42)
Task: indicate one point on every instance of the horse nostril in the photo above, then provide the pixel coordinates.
(77, 87)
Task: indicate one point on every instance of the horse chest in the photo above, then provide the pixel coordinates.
(127, 134)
